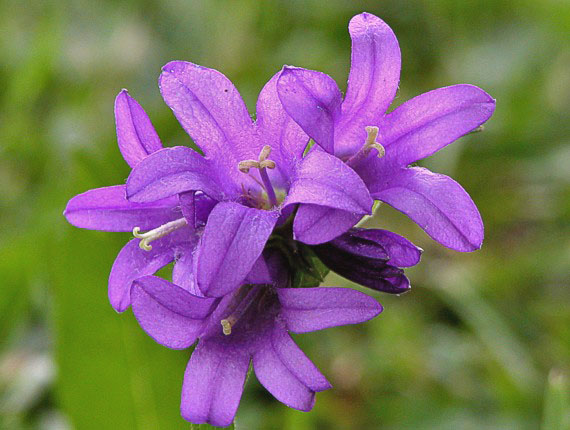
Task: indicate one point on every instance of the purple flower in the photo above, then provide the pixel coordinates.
(358, 128)
(253, 170)
(372, 258)
(249, 324)
(108, 209)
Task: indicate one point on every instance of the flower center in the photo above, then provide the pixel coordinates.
(262, 163)
(157, 233)
(369, 144)
(242, 302)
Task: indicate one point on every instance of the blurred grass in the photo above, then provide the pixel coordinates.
(470, 347)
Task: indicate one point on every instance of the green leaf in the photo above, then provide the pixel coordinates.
(110, 373)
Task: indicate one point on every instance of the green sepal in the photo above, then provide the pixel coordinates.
(309, 271)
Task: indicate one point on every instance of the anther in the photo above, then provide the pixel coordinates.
(227, 325)
(157, 233)
(242, 302)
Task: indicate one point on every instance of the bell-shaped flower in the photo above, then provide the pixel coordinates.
(250, 324)
(253, 170)
(379, 145)
(108, 209)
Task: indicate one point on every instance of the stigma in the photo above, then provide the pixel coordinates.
(369, 144)
(157, 233)
(261, 164)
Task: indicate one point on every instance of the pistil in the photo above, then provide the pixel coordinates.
(369, 144)
(157, 233)
(262, 163)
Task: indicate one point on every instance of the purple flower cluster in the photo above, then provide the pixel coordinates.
(251, 224)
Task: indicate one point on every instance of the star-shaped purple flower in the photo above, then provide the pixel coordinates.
(358, 128)
(249, 324)
(108, 209)
(254, 171)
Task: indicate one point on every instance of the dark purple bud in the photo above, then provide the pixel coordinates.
(369, 258)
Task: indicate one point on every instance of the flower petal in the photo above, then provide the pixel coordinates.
(401, 252)
(170, 315)
(183, 273)
(313, 100)
(396, 284)
(172, 171)
(212, 112)
(213, 382)
(188, 207)
(108, 209)
(322, 179)
(362, 261)
(136, 136)
(277, 129)
(315, 224)
(437, 204)
(428, 122)
(398, 250)
(286, 372)
(310, 309)
(372, 81)
(233, 239)
(133, 262)
(175, 299)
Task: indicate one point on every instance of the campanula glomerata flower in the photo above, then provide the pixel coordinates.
(380, 146)
(254, 171)
(108, 209)
(255, 321)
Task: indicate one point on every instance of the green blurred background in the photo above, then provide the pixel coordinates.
(481, 341)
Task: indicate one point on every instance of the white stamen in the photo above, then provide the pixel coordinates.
(157, 233)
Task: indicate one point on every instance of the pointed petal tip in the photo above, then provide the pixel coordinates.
(364, 16)
(365, 19)
(121, 306)
(469, 247)
(308, 406)
(123, 92)
(379, 308)
(180, 65)
(172, 66)
(120, 303)
(288, 69)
